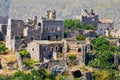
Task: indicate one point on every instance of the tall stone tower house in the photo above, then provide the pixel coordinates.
(89, 18)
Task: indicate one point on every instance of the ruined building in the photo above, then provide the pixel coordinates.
(89, 18)
(36, 33)
(104, 26)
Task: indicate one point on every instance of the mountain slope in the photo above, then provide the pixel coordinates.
(23, 9)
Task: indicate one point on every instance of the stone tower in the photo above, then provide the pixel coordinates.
(51, 14)
(89, 18)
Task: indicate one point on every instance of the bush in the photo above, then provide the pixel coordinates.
(2, 48)
(89, 27)
(81, 38)
(29, 62)
(24, 53)
(72, 56)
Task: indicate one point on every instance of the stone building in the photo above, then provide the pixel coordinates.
(104, 24)
(115, 33)
(14, 29)
(44, 49)
(76, 33)
(89, 18)
(51, 28)
(34, 29)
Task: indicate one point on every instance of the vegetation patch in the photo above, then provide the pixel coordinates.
(2, 48)
(81, 38)
(77, 25)
(72, 56)
(29, 62)
(24, 53)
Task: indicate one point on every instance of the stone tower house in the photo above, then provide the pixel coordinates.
(89, 18)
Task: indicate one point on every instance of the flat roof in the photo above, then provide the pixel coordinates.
(105, 21)
(47, 42)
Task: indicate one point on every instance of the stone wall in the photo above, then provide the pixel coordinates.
(14, 28)
(89, 18)
(52, 30)
(34, 50)
(104, 26)
(40, 51)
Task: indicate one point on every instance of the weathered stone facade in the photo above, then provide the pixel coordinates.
(40, 50)
(52, 29)
(34, 29)
(104, 24)
(14, 28)
(76, 33)
(89, 18)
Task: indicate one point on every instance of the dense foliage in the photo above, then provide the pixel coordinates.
(106, 75)
(103, 53)
(39, 74)
(73, 23)
(76, 24)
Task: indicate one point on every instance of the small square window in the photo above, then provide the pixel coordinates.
(32, 49)
(52, 29)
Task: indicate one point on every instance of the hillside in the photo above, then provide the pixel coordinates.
(23, 9)
(4, 7)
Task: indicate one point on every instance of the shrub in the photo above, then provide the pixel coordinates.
(29, 62)
(2, 48)
(72, 56)
(81, 38)
(89, 27)
(24, 53)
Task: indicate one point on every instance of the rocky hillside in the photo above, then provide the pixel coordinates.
(23, 9)
(4, 7)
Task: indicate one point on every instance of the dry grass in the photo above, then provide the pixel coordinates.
(10, 57)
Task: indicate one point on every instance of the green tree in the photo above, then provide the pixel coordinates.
(4, 78)
(103, 52)
(20, 75)
(42, 74)
(24, 53)
(73, 23)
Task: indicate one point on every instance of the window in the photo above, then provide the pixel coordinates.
(47, 29)
(56, 49)
(31, 38)
(52, 29)
(45, 48)
(52, 49)
(32, 49)
(39, 24)
(56, 36)
(79, 50)
(58, 28)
